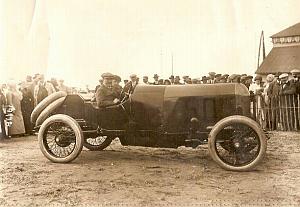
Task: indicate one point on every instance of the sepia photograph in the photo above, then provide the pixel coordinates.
(150, 103)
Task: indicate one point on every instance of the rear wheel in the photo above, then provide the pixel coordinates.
(60, 138)
(237, 143)
(97, 143)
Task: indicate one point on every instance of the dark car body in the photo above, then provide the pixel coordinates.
(160, 116)
(156, 116)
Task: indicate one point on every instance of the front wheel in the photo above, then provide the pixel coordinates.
(60, 138)
(237, 143)
(97, 143)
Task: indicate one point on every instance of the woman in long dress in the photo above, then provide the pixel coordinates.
(14, 98)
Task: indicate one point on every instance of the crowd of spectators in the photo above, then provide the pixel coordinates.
(20, 99)
(265, 93)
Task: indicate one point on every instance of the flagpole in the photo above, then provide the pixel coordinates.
(172, 65)
(261, 44)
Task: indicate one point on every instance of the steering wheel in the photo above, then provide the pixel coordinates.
(126, 94)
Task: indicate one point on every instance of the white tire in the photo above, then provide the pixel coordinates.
(44, 103)
(65, 135)
(48, 110)
(255, 155)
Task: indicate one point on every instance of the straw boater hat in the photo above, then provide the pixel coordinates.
(284, 75)
(295, 71)
(270, 78)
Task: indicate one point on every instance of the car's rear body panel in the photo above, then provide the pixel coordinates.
(170, 108)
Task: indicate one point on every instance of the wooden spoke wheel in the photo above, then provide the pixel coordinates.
(60, 138)
(237, 143)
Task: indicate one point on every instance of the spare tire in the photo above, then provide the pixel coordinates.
(44, 103)
(48, 110)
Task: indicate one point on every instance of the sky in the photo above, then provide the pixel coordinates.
(78, 40)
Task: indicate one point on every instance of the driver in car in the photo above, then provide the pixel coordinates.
(105, 95)
(116, 85)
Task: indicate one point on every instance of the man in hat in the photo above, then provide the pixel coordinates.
(195, 81)
(237, 78)
(42, 89)
(28, 81)
(155, 77)
(27, 106)
(248, 80)
(286, 86)
(130, 86)
(185, 79)
(172, 79)
(146, 80)
(211, 77)
(161, 82)
(116, 85)
(225, 75)
(218, 77)
(105, 95)
(177, 80)
(204, 79)
(62, 87)
(188, 80)
(231, 78)
(34, 82)
(256, 91)
(54, 82)
(222, 79)
(296, 82)
(273, 94)
(296, 79)
(256, 87)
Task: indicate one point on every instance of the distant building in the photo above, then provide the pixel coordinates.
(285, 54)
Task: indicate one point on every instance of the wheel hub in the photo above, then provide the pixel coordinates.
(236, 145)
(62, 141)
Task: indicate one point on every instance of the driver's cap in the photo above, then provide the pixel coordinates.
(107, 76)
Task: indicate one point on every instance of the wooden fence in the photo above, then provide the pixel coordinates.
(277, 113)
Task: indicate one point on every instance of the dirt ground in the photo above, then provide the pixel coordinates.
(136, 176)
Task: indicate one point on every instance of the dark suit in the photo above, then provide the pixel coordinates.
(129, 87)
(287, 88)
(296, 83)
(273, 93)
(117, 90)
(105, 96)
(27, 106)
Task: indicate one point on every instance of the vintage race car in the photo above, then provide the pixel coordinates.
(155, 116)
